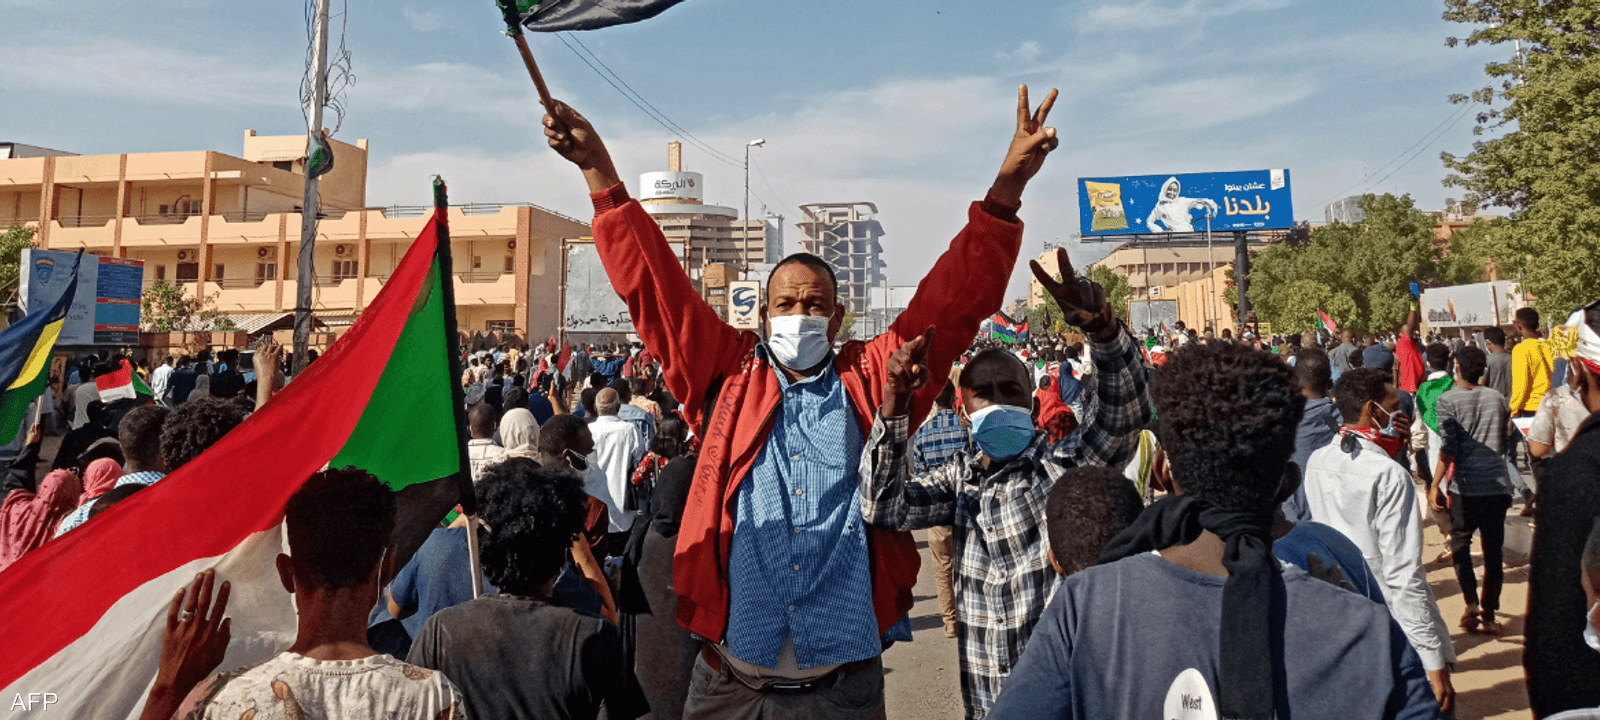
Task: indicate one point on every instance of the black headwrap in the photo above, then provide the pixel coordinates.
(1246, 639)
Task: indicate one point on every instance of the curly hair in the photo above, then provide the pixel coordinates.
(531, 517)
(339, 523)
(1086, 507)
(1228, 419)
(140, 434)
(1357, 388)
(194, 426)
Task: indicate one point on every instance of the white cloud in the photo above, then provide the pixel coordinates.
(424, 20)
(1204, 102)
(1165, 13)
(152, 73)
(1026, 52)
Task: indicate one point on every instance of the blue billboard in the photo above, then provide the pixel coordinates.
(1193, 202)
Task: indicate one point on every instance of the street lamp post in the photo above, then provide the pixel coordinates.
(747, 146)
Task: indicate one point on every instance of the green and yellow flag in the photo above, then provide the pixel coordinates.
(25, 350)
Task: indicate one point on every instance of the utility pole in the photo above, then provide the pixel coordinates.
(308, 205)
(746, 243)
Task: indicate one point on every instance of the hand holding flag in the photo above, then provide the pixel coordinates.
(571, 135)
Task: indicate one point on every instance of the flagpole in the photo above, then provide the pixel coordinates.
(513, 18)
(467, 497)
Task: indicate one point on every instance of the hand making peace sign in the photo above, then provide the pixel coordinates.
(1029, 146)
(1082, 301)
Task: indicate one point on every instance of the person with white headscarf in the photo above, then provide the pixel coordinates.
(1560, 663)
(519, 434)
(202, 388)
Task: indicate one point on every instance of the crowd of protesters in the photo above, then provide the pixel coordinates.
(708, 523)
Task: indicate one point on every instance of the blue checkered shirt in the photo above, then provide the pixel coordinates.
(798, 567)
(939, 440)
(79, 516)
(1003, 576)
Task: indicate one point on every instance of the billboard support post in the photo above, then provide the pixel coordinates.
(1211, 276)
(1241, 272)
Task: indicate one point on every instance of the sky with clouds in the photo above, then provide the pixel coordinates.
(909, 105)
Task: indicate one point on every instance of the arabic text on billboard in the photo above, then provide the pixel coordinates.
(1159, 204)
(592, 306)
(1475, 305)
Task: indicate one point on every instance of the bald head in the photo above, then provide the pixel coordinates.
(607, 402)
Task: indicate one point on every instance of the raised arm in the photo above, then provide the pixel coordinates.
(695, 346)
(892, 496)
(1413, 321)
(1117, 399)
(968, 283)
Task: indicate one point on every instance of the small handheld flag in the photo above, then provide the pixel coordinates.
(1007, 330)
(1326, 323)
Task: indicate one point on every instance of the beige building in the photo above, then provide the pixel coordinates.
(849, 237)
(229, 228)
(710, 234)
(1166, 272)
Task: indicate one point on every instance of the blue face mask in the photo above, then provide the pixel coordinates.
(1002, 431)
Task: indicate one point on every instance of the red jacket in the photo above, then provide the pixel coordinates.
(701, 355)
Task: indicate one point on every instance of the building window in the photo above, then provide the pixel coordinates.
(511, 264)
(284, 165)
(221, 272)
(477, 262)
(266, 272)
(500, 326)
(188, 272)
(161, 273)
(344, 269)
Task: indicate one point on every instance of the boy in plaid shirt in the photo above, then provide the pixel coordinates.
(995, 496)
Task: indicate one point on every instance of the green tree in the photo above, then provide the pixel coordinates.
(1046, 316)
(847, 329)
(1117, 288)
(12, 243)
(1541, 166)
(166, 308)
(1472, 248)
(1359, 274)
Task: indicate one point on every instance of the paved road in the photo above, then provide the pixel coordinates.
(922, 679)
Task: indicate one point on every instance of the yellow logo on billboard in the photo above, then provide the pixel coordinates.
(1105, 201)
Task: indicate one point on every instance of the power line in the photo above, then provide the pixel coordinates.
(1450, 120)
(644, 105)
(775, 194)
(1425, 147)
(701, 143)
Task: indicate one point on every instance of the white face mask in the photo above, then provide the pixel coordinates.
(1591, 638)
(799, 342)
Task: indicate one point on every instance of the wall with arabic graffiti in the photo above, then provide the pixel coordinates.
(1192, 202)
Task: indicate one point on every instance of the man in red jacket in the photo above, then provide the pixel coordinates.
(774, 561)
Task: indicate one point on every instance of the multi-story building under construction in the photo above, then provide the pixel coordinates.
(846, 235)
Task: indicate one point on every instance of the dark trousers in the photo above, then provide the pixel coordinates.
(1486, 515)
(853, 695)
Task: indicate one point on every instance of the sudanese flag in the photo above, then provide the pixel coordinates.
(83, 615)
